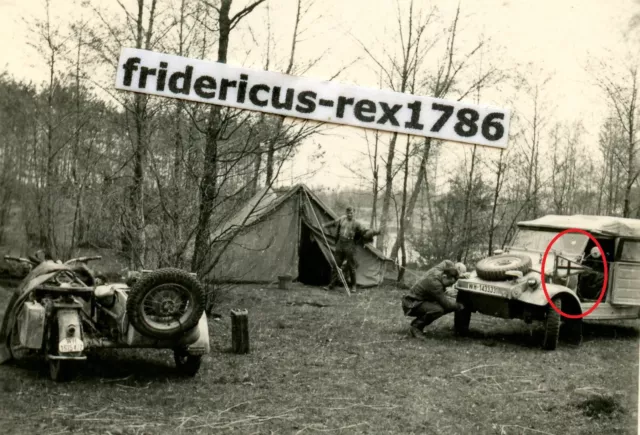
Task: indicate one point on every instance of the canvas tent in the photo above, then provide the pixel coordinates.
(275, 235)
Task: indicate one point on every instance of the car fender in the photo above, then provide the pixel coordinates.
(202, 345)
(537, 297)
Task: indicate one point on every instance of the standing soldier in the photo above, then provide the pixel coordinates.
(347, 231)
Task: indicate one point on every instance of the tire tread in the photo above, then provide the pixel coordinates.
(163, 276)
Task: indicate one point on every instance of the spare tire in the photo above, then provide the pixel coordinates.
(495, 268)
(165, 303)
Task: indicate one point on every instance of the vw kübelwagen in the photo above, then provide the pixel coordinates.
(507, 284)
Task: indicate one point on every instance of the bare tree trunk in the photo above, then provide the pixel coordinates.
(631, 132)
(374, 205)
(257, 162)
(257, 166)
(208, 188)
(49, 180)
(533, 175)
(403, 209)
(464, 250)
(272, 143)
(208, 185)
(496, 195)
(405, 72)
(172, 218)
(422, 171)
(136, 191)
(612, 188)
(556, 169)
(76, 232)
(388, 192)
(50, 170)
(136, 195)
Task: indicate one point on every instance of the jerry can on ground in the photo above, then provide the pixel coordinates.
(31, 321)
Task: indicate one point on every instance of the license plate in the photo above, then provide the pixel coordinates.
(71, 345)
(486, 288)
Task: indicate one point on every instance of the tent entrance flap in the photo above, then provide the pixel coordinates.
(313, 266)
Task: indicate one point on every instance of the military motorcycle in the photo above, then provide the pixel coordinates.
(61, 310)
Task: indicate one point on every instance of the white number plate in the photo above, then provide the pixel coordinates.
(71, 345)
(486, 289)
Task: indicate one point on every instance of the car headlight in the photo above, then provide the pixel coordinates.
(532, 282)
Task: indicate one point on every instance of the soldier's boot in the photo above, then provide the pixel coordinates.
(354, 285)
(416, 330)
(331, 284)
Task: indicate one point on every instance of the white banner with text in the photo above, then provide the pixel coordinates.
(210, 82)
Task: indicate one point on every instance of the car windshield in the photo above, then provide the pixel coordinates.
(537, 240)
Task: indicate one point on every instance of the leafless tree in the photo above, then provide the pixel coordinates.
(622, 92)
(398, 73)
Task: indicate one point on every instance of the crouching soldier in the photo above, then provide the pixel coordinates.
(427, 301)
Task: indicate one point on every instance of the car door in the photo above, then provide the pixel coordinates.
(625, 276)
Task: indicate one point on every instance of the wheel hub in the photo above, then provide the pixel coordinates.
(504, 262)
(165, 306)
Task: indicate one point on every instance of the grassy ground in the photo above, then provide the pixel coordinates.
(325, 363)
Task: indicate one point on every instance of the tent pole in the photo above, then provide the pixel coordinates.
(339, 270)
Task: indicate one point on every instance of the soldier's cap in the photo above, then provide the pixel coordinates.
(461, 268)
(349, 208)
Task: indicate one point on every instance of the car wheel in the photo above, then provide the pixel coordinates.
(552, 326)
(187, 364)
(461, 320)
(165, 303)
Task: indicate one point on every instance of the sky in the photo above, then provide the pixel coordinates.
(554, 36)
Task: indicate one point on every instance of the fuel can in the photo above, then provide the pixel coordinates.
(31, 325)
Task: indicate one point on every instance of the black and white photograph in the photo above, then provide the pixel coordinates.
(320, 217)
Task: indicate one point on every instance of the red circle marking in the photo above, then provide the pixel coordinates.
(604, 284)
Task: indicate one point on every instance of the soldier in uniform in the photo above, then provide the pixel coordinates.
(427, 301)
(348, 229)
